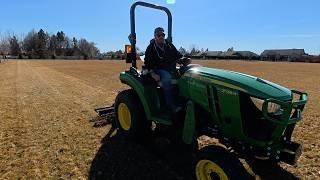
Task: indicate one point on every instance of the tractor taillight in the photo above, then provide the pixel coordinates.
(128, 49)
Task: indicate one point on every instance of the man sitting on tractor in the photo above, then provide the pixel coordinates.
(161, 57)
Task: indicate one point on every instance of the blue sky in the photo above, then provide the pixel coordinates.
(243, 24)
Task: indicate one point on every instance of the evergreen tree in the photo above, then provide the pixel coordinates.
(41, 45)
(61, 42)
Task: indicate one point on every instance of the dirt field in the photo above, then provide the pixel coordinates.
(49, 130)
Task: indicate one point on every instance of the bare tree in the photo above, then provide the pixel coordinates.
(89, 50)
(183, 51)
(29, 43)
(53, 45)
(194, 49)
(15, 48)
(4, 44)
(42, 45)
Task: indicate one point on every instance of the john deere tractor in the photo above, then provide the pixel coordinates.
(252, 116)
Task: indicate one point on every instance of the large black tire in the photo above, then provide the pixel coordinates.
(215, 162)
(130, 115)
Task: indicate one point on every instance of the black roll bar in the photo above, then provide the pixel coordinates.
(132, 36)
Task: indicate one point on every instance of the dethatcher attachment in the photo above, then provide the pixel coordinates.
(103, 111)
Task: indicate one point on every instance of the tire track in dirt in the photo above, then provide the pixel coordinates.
(53, 113)
(8, 116)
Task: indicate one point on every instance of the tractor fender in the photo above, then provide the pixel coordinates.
(137, 86)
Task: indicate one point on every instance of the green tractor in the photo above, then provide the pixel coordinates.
(248, 115)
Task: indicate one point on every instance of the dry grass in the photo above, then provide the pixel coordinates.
(47, 127)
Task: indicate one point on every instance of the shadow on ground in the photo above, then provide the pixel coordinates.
(119, 158)
(102, 121)
(269, 171)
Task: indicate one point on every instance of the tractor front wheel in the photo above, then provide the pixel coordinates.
(214, 162)
(130, 116)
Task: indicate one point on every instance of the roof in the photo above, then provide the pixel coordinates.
(198, 54)
(283, 52)
(212, 53)
(227, 53)
(246, 53)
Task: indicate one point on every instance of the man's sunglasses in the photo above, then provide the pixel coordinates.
(161, 35)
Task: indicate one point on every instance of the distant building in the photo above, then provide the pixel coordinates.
(246, 55)
(283, 54)
(199, 55)
(229, 54)
(212, 54)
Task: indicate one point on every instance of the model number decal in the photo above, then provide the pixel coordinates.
(228, 91)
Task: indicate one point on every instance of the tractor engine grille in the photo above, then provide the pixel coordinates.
(253, 123)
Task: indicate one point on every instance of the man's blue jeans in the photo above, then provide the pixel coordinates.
(165, 79)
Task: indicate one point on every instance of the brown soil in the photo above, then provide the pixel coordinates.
(49, 130)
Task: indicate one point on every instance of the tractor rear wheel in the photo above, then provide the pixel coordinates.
(214, 162)
(130, 116)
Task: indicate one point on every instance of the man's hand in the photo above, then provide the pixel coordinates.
(155, 76)
(184, 61)
(187, 61)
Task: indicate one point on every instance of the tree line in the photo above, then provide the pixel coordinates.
(42, 45)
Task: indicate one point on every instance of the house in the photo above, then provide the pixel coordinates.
(199, 55)
(283, 54)
(229, 54)
(212, 54)
(246, 55)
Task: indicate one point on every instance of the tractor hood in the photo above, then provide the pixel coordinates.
(246, 83)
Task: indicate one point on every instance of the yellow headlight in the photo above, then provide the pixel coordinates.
(273, 108)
